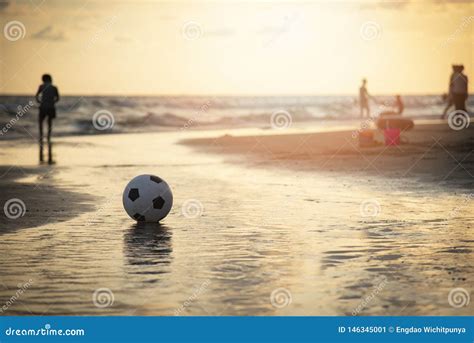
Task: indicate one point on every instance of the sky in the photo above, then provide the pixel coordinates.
(234, 47)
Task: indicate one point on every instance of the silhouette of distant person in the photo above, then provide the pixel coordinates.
(458, 88)
(47, 96)
(364, 99)
(399, 107)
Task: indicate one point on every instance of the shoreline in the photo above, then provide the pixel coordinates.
(430, 151)
(327, 123)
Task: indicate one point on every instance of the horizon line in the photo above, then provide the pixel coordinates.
(225, 95)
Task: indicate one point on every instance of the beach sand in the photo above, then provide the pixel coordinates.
(298, 223)
(431, 151)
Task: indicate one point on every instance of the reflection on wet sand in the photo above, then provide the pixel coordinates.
(395, 259)
(147, 250)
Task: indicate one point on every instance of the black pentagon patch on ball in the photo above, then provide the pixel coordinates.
(133, 194)
(155, 179)
(158, 203)
(139, 217)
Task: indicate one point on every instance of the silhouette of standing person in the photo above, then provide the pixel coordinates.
(399, 104)
(458, 88)
(364, 99)
(47, 96)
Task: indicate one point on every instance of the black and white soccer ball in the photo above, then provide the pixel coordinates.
(147, 198)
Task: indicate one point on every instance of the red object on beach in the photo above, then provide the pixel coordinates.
(392, 136)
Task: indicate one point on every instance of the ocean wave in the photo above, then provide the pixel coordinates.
(75, 113)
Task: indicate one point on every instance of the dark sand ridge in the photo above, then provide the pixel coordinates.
(44, 202)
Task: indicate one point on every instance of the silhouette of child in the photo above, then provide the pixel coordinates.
(47, 96)
(399, 108)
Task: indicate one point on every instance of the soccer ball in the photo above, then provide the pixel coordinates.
(147, 198)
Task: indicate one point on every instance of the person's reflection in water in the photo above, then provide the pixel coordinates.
(148, 250)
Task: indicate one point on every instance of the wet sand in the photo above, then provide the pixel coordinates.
(265, 238)
(433, 152)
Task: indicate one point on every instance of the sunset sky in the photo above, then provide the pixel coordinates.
(235, 47)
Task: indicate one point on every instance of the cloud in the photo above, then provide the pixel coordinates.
(284, 25)
(48, 33)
